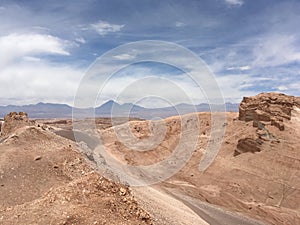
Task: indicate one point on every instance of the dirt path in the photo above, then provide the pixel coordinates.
(172, 207)
(212, 214)
(166, 209)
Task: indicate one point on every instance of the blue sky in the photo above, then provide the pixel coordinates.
(251, 46)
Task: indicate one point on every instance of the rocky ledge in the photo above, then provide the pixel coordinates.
(265, 109)
(268, 107)
(13, 121)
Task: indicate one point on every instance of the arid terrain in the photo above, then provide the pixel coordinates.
(48, 178)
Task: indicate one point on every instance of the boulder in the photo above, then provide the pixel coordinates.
(247, 145)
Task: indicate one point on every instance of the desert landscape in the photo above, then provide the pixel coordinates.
(135, 112)
(46, 177)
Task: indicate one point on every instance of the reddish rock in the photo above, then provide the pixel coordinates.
(274, 107)
(13, 121)
(247, 145)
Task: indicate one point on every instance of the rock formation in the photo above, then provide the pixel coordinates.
(247, 145)
(268, 107)
(13, 121)
(265, 109)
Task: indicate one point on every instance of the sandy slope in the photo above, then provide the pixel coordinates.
(262, 185)
(254, 179)
(44, 180)
(165, 208)
(211, 213)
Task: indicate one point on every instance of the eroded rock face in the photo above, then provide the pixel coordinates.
(268, 107)
(264, 110)
(247, 145)
(13, 121)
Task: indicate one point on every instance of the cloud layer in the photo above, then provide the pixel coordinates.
(16, 46)
(250, 46)
(235, 2)
(103, 28)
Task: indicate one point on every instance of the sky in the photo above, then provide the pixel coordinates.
(47, 47)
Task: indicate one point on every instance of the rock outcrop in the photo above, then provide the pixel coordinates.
(268, 107)
(265, 110)
(13, 121)
(247, 145)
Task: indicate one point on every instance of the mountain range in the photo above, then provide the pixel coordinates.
(112, 108)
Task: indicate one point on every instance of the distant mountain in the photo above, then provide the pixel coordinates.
(107, 107)
(40, 110)
(112, 108)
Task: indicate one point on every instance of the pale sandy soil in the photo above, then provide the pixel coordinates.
(263, 185)
(44, 179)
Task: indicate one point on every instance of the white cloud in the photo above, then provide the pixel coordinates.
(167, 89)
(103, 27)
(80, 40)
(233, 86)
(179, 24)
(14, 46)
(241, 68)
(282, 88)
(170, 90)
(124, 56)
(295, 86)
(32, 82)
(276, 50)
(31, 59)
(234, 2)
(27, 77)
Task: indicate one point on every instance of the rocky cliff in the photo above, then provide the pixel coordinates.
(268, 107)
